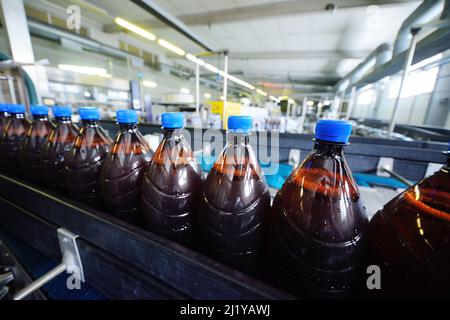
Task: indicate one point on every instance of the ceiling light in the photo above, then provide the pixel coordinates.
(92, 71)
(149, 84)
(241, 82)
(273, 98)
(133, 28)
(185, 90)
(261, 92)
(211, 68)
(194, 59)
(310, 103)
(171, 47)
(207, 95)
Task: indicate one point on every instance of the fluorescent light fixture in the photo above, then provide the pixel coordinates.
(310, 103)
(221, 97)
(185, 90)
(133, 28)
(326, 102)
(92, 71)
(194, 59)
(171, 47)
(241, 82)
(223, 74)
(273, 98)
(149, 84)
(211, 68)
(207, 95)
(261, 92)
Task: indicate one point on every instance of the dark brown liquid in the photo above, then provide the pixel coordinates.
(59, 142)
(83, 162)
(170, 189)
(410, 241)
(3, 120)
(320, 225)
(32, 148)
(122, 173)
(234, 203)
(11, 143)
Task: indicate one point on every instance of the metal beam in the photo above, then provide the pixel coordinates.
(265, 10)
(293, 55)
(172, 21)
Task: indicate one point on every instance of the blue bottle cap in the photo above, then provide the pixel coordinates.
(89, 113)
(172, 120)
(39, 110)
(241, 124)
(16, 108)
(127, 116)
(62, 111)
(333, 130)
(4, 107)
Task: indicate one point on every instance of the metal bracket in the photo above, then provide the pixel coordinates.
(385, 163)
(71, 263)
(70, 254)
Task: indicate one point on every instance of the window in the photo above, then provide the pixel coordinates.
(418, 82)
(366, 97)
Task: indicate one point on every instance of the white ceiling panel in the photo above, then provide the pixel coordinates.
(309, 43)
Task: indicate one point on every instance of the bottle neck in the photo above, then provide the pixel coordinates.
(90, 123)
(18, 115)
(329, 148)
(238, 138)
(63, 119)
(127, 126)
(170, 132)
(40, 117)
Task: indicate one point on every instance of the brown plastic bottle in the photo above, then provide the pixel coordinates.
(59, 142)
(319, 222)
(235, 202)
(410, 240)
(4, 116)
(124, 168)
(171, 184)
(34, 142)
(12, 138)
(83, 162)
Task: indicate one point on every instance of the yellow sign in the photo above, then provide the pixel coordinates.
(232, 109)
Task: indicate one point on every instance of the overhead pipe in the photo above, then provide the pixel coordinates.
(423, 14)
(434, 43)
(379, 56)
